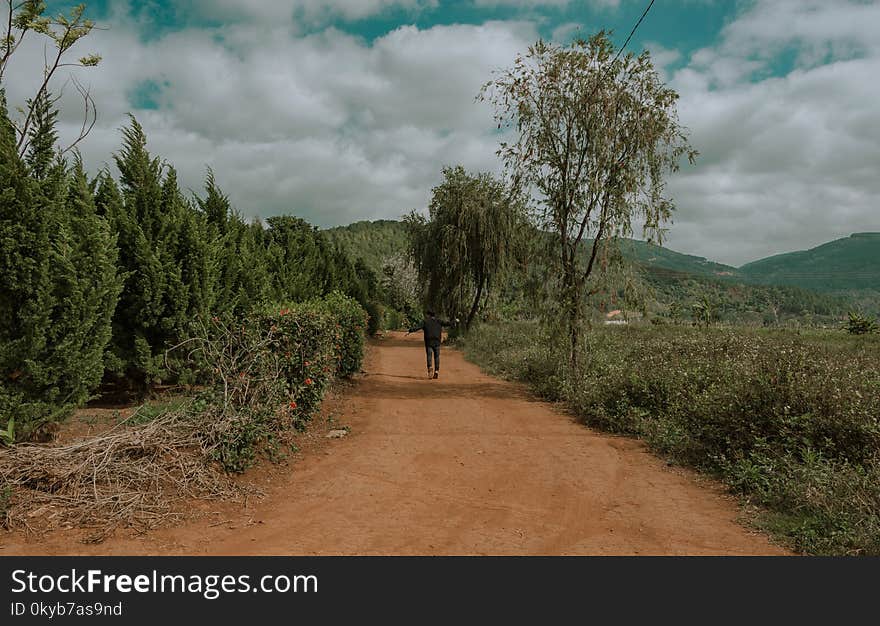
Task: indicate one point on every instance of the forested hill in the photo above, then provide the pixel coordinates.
(848, 264)
(663, 261)
(851, 263)
(374, 242)
(756, 291)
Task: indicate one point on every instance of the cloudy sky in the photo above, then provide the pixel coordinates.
(344, 110)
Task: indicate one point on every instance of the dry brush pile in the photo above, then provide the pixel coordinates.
(265, 376)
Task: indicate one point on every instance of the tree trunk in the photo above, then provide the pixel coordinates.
(573, 337)
(475, 306)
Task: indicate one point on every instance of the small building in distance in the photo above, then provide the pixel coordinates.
(621, 318)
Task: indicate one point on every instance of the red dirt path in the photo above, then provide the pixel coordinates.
(466, 464)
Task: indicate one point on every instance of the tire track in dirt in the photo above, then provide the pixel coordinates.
(466, 464)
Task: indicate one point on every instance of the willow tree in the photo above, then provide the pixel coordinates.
(469, 239)
(594, 135)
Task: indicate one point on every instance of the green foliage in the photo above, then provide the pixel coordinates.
(595, 134)
(350, 324)
(383, 267)
(100, 280)
(149, 216)
(269, 372)
(472, 236)
(7, 435)
(788, 420)
(395, 320)
(375, 317)
(59, 284)
(861, 325)
(372, 242)
(704, 311)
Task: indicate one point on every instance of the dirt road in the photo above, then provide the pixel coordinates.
(465, 464)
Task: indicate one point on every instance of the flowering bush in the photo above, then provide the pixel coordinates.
(268, 373)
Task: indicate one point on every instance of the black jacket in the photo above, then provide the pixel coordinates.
(432, 328)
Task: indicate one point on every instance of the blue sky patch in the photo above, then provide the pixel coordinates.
(146, 95)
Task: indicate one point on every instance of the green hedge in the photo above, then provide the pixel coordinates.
(270, 372)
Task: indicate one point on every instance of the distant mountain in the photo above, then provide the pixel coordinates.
(846, 265)
(663, 261)
(852, 263)
(768, 291)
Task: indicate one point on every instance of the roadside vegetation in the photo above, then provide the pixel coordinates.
(787, 420)
(265, 377)
(122, 284)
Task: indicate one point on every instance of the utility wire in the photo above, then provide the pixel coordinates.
(633, 32)
(622, 48)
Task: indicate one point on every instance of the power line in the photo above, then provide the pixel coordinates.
(633, 31)
(622, 48)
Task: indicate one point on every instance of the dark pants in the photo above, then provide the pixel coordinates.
(435, 352)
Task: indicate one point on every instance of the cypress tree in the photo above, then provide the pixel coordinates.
(254, 270)
(86, 289)
(153, 300)
(25, 285)
(296, 259)
(59, 282)
(43, 137)
(223, 234)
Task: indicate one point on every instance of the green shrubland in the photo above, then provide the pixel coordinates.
(791, 421)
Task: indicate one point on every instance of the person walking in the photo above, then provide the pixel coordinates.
(432, 328)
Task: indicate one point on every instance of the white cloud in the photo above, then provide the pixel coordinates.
(336, 129)
(788, 162)
(325, 126)
(564, 33)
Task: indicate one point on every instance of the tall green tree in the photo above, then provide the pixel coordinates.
(59, 283)
(153, 305)
(86, 289)
(298, 257)
(195, 250)
(222, 231)
(471, 237)
(25, 276)
(254, 269)
(594, 135)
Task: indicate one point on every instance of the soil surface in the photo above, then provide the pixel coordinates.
(462, 465)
